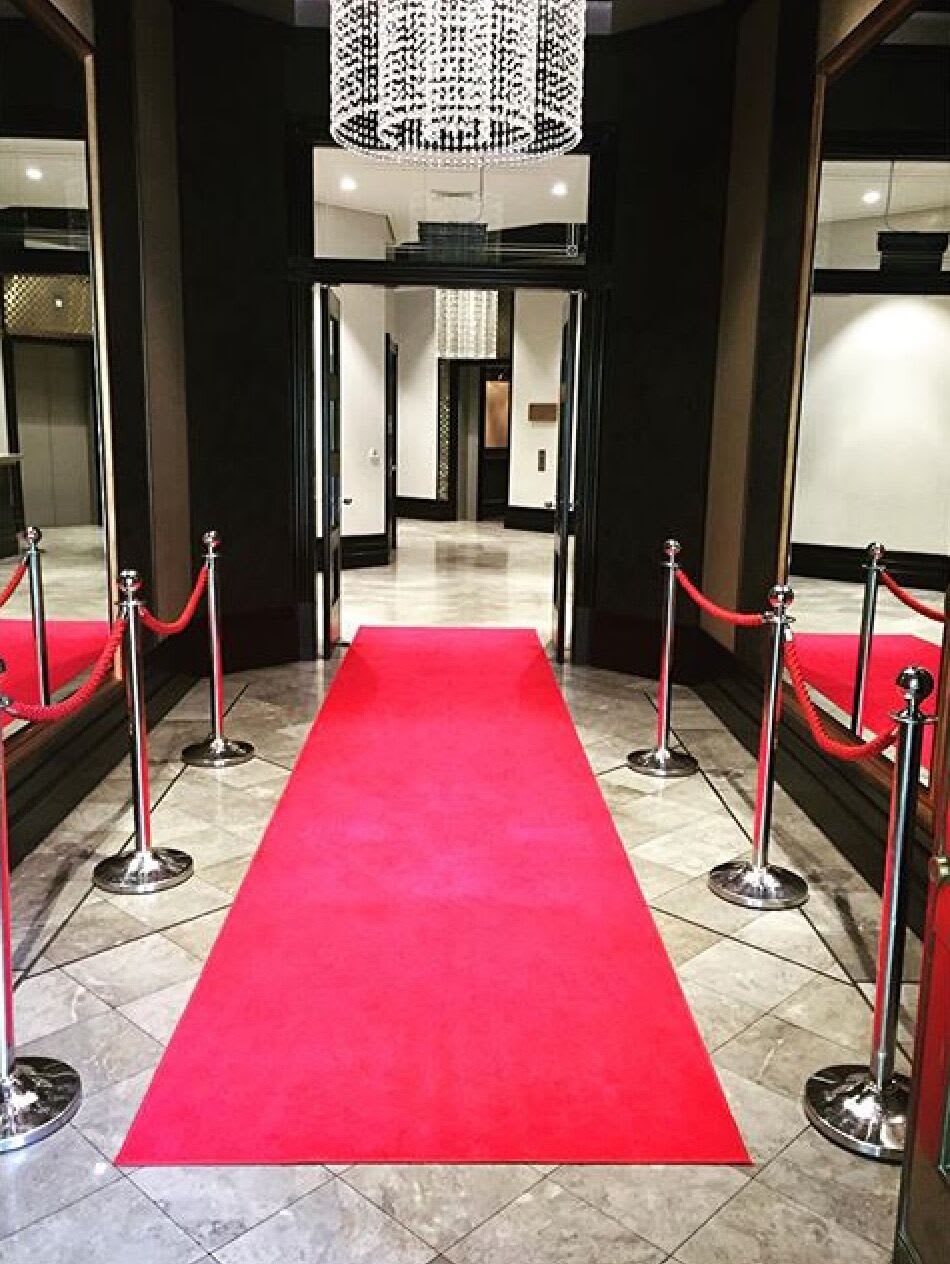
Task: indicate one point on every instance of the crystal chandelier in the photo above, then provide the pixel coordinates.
(467, 324)
(457, 82)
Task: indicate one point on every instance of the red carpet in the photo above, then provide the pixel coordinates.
(72, 647)
(440, 953)
(830, 661)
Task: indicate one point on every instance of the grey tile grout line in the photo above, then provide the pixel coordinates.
(26, 970)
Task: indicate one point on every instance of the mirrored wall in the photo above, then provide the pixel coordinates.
(874, 442)
(52, 453)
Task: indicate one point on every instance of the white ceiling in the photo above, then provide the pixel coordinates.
(916, 188)
(60, 165)
(513, 197)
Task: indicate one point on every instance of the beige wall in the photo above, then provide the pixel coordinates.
(739, 310)
(839, 18)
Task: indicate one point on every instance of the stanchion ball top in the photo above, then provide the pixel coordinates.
(672, 548)
(781, 595)
(130, 582)
(33, 535)
(211, 540)
(916, 682)
(875, 551)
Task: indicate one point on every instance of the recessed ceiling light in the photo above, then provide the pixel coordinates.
(872, 197)
(559, 189)
(59, 303)
(348, 184)
(34, 173)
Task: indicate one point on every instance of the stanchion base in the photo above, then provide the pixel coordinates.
(662, 763)
(143, 872)
(769, 888)
(222, 754)
(848, 1108)
(40, 1096)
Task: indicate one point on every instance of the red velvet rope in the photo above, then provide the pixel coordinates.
(14, 582)
(178, 625)
(891, 584)
(850, 752)
(75, 702)
(718, 612)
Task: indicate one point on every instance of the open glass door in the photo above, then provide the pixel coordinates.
(567, 428)
(392, 448)
(331, 491)
(923, 1235)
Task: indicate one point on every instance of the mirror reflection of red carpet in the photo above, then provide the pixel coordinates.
(440, 952)
(830, 661)
(73, 646)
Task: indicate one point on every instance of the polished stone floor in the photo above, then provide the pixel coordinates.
(75, 576)
(103, 979)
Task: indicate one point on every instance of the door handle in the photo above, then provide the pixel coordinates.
(347, 500)
(549, 504)
(940, 871)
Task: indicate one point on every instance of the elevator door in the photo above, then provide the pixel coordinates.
(55, 425)
(331, 471)
(567, 426)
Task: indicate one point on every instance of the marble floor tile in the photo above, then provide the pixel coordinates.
(790, 935)
(694, 902)
(719, 1018)
(199, 935)
(192, 899)
(95, 927)
(664, 1205)
(333, 1225)
(226, 877)
(105, 1117)
(745, 974)
(833, 1010)
(38, 1181)
(115, 1224)
(215, 1205)
(781, 1055)
(858, 1195)
(51, 1001)
(137, 969)
(683, 940)
(768, 1121)
(548, 1225)
(442, 1204)
(103, 1050)
(760, 1227)
(696, 848)
(656, 880)
(159, 1012)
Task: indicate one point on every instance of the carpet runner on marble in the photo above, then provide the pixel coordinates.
(440, 953)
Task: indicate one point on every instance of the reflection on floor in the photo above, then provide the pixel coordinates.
(776, 995)
(485, 575)
(824, 605)
(75, 580)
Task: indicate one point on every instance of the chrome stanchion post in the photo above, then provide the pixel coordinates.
(147, 869)
(863, 1108)
(756, 883)
(216, 751)
(872, 582)
(660, 760)
(37, 1095)
(34, 558)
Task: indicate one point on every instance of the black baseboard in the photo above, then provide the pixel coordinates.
(522, 518)
(365, 550)
(832, 561)
(424, 510)
(846, 805)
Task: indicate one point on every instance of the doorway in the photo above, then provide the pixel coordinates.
(466, 464)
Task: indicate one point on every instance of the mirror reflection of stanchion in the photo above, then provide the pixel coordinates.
(146, 869)
(756, 883)
(873, 568)
(37, 1095)
(660, 760)
(216, 751)
(864, 1109)
(34, 558)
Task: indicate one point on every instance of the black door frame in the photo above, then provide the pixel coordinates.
(391, 455)
(591, 278)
